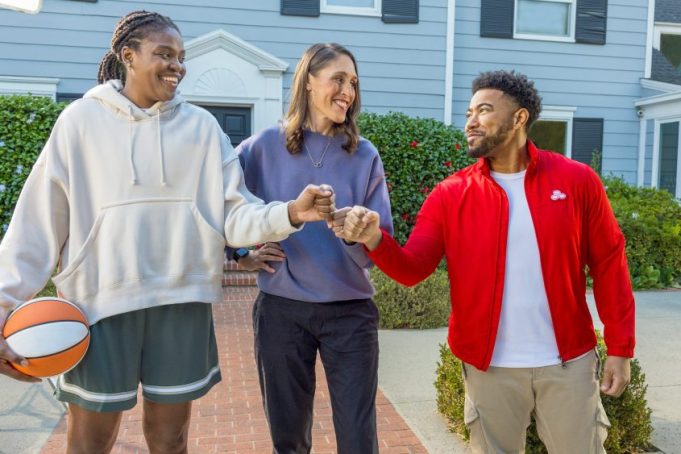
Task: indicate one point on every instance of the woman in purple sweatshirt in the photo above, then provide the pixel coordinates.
(315, 293)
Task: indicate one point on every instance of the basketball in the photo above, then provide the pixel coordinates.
(51, 333)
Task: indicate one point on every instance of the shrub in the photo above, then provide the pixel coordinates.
(629, 414)
(25, 125)
(651, 222)
(417, 153)
(425, 305)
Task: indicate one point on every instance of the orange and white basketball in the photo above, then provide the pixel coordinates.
(51, 333)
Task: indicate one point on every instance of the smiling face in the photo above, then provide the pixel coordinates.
(332, 91)
(490, 120)
(155, 68)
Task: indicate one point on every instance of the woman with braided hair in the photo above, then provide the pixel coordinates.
(135, 195)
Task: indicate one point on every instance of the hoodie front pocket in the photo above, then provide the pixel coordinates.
(144, 240)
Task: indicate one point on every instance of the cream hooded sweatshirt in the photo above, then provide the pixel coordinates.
(135, 205)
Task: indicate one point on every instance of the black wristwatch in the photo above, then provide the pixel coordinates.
(239, 254)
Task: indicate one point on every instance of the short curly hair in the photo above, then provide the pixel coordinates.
(515, 85)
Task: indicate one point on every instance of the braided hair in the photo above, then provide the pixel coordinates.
(130, 30)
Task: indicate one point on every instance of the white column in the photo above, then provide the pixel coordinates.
(640, 173)
(449, 62)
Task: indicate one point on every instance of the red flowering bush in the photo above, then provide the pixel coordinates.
(417, 154)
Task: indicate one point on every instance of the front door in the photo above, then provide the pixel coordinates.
(235, 121)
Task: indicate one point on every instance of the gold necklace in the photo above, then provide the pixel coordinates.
(317, 164)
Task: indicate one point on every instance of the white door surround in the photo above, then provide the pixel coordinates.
(224, 70)
(663, 108)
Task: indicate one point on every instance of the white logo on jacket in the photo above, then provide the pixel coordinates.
(558, 195)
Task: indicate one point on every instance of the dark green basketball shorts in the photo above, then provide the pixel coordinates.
(170, 350)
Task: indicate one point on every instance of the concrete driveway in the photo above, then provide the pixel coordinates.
(408, 362)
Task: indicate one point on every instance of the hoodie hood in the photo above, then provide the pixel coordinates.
(109, 94)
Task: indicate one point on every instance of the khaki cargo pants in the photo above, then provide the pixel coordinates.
(564, 399)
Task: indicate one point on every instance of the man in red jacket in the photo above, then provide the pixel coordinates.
(518, 229)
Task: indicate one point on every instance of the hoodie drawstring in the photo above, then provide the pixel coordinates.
(133, 171)
(160, 149)
(132, 162)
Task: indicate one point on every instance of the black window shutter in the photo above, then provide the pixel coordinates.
(400, 11)
(300, 8)
(587, 139)
(592, 18)
(496, 18)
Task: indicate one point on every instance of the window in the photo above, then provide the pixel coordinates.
(550, 135)
(355, 7)
(553, 130)
(27, 6)
(670, 46)
(665, 64)
(390, 11)
(572, 21)
(545, 19)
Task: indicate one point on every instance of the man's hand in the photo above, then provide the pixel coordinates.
(258, 259)
(315, 203)
(616, 375)
(7, 356)
(359, 225)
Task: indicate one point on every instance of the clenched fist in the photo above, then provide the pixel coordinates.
(358, 224)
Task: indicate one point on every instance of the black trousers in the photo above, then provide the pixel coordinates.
(288, 334)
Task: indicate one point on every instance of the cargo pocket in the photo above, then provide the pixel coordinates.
(470, 413)
(471, 417)
(602, 426)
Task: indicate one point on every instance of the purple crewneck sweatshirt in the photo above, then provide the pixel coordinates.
(319, 267)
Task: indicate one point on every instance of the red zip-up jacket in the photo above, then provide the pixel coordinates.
(466, 217)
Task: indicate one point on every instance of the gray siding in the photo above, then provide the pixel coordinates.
(401, 65)
(601, 81)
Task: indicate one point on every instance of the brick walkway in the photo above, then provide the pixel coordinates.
(230, 418)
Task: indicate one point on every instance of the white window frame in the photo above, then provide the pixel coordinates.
(36, 86)
(664, 28)
(30, 7)
(655, 171)
(563, 39)
(564, 114)
(374, 11)
(659, 29)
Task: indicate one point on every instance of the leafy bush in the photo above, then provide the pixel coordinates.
(417, 153)
(629, 414)
(651, 222)
(25, 125)
(425, 305)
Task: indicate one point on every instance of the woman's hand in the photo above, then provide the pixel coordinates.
(7, 356)
(259, 258)
(315, 203)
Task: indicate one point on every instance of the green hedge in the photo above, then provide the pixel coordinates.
(651, 222)
(423, 306)
(25, 125)
(417, 153)
(629, 414)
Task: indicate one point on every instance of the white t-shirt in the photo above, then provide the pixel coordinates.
(525, 337)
